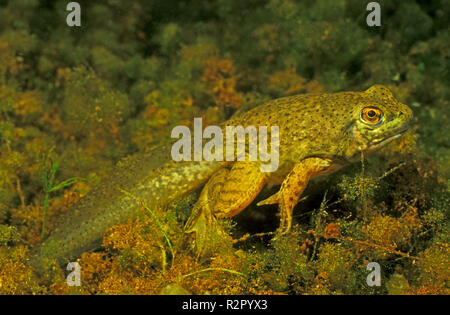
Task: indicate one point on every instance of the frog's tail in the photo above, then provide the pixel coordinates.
(145, 178)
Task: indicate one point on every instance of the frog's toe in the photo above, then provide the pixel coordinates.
(285, 223)
(281, 231)
(274, 199)
(206, 230)
(199, 226)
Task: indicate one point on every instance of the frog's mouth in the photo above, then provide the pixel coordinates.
(382, 142)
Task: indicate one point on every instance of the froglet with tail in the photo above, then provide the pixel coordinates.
(318, 134)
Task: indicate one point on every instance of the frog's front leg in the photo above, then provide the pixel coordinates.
(226, 194)
(293, 186)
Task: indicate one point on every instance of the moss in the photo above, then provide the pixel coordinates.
(397, 285)
(335, 265)
(433, 269)
(390, 233)
(8, 234)
(358, 188)
(15, 276)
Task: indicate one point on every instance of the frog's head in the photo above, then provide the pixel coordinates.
(378, 119)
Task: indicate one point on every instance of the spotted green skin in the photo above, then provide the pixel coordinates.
(329, 125)
(310, 125)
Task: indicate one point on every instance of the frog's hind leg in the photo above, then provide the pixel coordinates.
(226, 194)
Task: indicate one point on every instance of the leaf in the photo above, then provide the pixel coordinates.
(66, 183)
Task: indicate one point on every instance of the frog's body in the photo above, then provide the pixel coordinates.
(318, 133)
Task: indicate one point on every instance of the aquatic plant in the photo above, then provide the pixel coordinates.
(47, 171)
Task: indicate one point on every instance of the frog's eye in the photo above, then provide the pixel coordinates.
(371, 115)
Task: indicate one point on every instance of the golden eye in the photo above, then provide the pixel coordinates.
(371, 115)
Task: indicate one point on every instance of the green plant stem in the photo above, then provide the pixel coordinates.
(45, 215)
(158, 222)
(214, 269)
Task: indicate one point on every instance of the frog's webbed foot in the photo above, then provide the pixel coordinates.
(203, 224)
(202, 221)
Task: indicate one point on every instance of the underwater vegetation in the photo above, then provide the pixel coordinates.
(74, 101)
